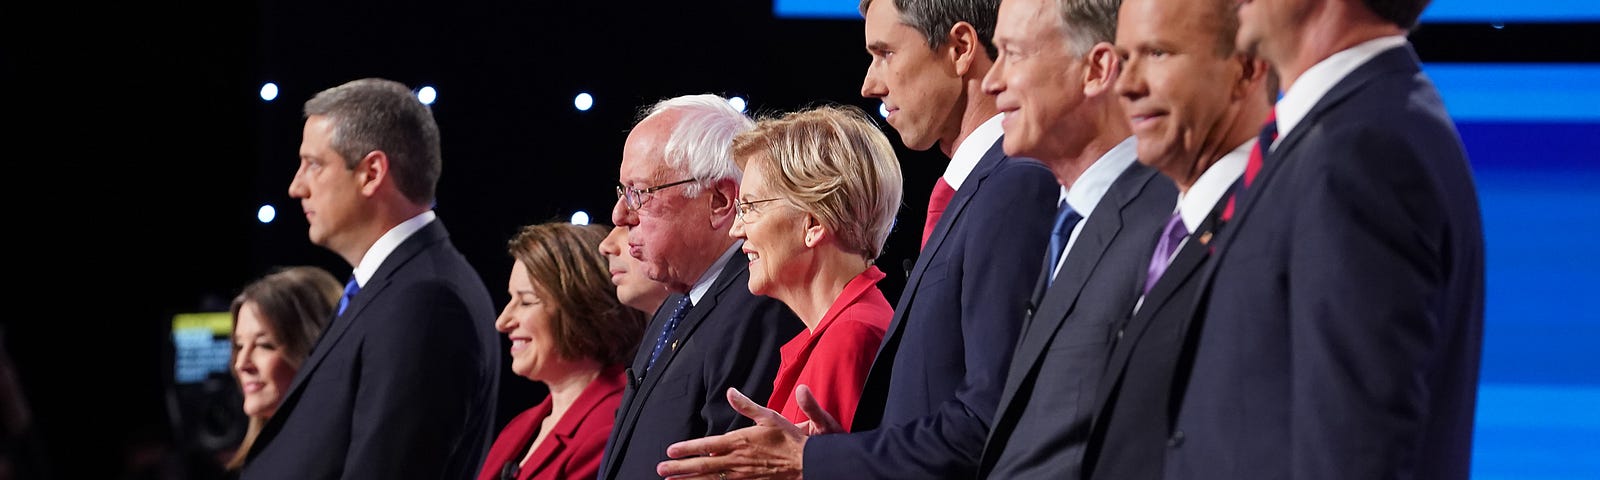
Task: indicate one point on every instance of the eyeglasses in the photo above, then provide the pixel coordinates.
(746, 209)
(636, 196)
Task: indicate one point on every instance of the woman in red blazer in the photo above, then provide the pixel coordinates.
(568, 331)
(820, 191)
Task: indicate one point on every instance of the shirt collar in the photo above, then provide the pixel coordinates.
(703, 285)
(1320, 78)
(1092, 185)
(1207, 190)
(387, 243)
(971, 150)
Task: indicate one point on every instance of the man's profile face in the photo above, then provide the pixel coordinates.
(1037, 79)
(1177, 85)
(918, 84)
(329, 191)
(667, 230)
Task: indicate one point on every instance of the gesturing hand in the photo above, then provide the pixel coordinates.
(773, 448)
(821, 421)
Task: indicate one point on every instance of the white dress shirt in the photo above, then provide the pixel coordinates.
(386, 244)
(1315, 83)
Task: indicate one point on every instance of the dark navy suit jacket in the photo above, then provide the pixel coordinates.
(1344, 312)
(929, 397)
(1042, 423)
(731, 338)
(1135, 406)
(402, 385)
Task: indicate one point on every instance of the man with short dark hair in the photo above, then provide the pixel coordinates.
(1343, 317)
(1056, 80)
(928, 399)
(1196, 105)
(403, 382)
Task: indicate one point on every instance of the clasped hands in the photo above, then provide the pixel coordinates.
(773, 448)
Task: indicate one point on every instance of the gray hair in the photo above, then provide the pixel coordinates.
(700, 139)
(377, 114)
(1088, 22)
(935, 18)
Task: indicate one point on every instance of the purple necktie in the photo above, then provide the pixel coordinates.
(1171, 237)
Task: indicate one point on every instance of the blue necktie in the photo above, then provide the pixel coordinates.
(678, 313)
(1066, 218)
(350, 290)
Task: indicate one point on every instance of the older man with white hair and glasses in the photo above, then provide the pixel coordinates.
(677, 197)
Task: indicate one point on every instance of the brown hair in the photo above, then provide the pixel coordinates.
(567, 268)
(295, 304)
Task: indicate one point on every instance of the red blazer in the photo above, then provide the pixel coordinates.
(573, 449)
(835, 365)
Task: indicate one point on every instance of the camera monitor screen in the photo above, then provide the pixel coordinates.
(201, 343)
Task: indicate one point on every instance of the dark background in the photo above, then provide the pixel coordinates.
(138, 151)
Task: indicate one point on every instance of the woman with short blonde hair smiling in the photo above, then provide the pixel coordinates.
(820, 192)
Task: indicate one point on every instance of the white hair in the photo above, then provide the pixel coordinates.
(699, 141)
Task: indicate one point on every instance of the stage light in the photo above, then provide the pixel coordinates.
(883, 110)
(737, 103)
(269, 91)
(580, 217)
(583, 101)
(266, 213)
(427, 95)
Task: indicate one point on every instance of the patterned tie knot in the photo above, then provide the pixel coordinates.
(678, 312)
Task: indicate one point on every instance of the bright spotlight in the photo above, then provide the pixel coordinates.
(427, 95)
(580, 218)
(737, 103)
(583, 101)
(883, 110)
(266, 213)
(269, 91)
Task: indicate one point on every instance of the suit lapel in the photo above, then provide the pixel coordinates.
(1401, 59)
(1184, 266)
(629, 418)
(626, 412)
(429, 235)
(1099, 230)
(947, 221)
(697, 315)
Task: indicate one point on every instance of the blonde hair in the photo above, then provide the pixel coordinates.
(834, 163)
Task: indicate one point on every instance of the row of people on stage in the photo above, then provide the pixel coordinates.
(1174, 239)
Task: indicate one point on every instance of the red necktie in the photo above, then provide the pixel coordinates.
(1269, 134)
(936, 202)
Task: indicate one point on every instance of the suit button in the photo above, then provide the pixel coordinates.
(1176, 439)
(1119, 334)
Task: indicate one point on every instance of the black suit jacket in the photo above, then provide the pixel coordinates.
(1344, 311)
(731, 338)
(402, 385)
(928, 398)
(1042, 424)
(1134, 410)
